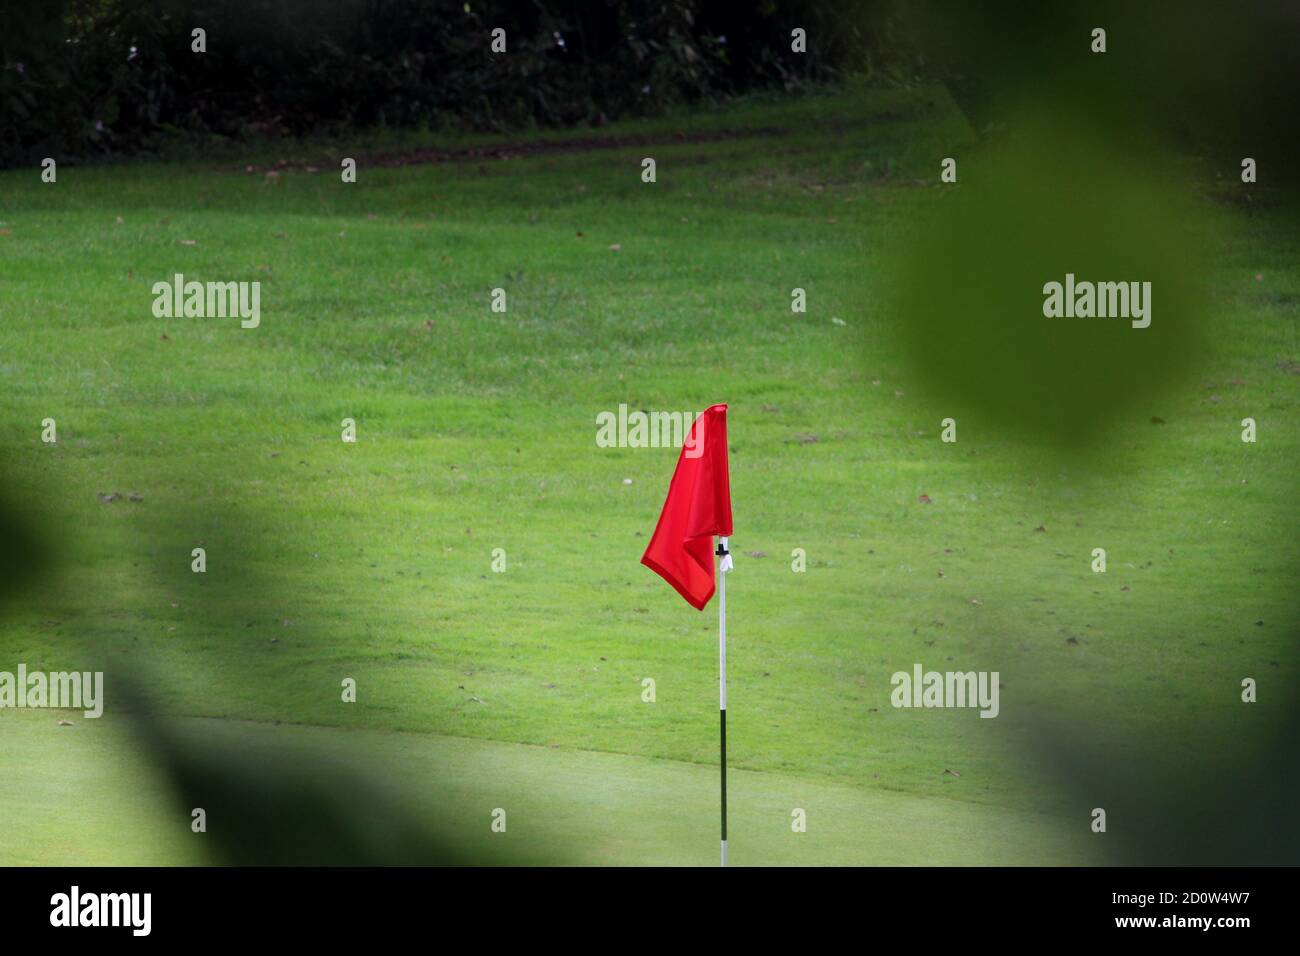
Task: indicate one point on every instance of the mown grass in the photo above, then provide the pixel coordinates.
(476, 431)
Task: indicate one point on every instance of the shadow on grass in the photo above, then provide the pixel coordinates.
(267, 803)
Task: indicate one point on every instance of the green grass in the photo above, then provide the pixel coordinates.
(476, 431)
(578, 807)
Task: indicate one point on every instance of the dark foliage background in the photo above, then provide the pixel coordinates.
(85, 78)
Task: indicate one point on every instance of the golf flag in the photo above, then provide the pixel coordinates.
(681, 552)
(698, 507)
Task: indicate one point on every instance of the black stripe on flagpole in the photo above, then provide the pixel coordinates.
(723, 762)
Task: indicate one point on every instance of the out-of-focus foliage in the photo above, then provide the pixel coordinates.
(90, 77)
(1200, 76)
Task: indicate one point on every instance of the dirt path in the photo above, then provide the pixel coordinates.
(521, 148)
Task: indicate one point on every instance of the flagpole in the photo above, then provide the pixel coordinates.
(724, 565)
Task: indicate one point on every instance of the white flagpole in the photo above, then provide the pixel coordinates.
(724, 565)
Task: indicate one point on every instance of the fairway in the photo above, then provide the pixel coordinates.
(522, 686)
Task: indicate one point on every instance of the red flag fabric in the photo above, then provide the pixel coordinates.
(698, 506)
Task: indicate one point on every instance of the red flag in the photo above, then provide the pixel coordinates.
(698, 507)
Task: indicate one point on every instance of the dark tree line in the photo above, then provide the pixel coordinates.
(83, 78)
